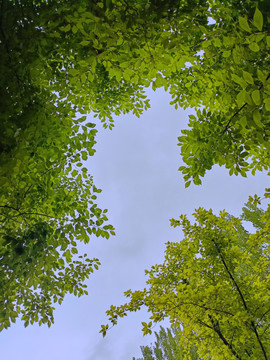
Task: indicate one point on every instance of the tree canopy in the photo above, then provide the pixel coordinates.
(61, 60)
(215, 283)
(229, 87)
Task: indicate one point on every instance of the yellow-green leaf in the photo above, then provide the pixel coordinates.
(67, 28)
(83, 77)
(84, 42)
(226, 53)
(256, 97)
(257, 118)
(248, 77)
(241, 98)
(261, 75)
(74, 29)
(267, 104)
(258, 19)
(244, 24)
(254, 47)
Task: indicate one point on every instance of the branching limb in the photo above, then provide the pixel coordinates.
(253, 326)
(217, 330)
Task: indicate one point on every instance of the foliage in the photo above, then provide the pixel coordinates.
(47, 198)
(102, 56)
(38, 254)
(167, 347)
(215, 282)
(60, 60)
(63, 59)
(229, 87)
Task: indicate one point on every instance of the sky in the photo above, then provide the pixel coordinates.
(136, 166)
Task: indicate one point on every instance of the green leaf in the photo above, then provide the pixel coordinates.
(259, 37)
(257, 118)
(239, 80)
(84, 156)
(61, 262)
(83, 78)
(258, 19)
(90, 76)
(244, 24)
(74, 250)
(256, 97)
(226, 53)
(66, 28)
(248, 77)
(67, 255)
(267, 103)
(74, 29)
(241, 98)
(254, 47)
(73, 71)
(90, 125)
(261, 75)
(85, 43)
(243, 121)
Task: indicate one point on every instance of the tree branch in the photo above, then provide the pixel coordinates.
(207, 308)
(238, 111)
(259, 340)
(230, 275)
(230, 120)
(258, 322)
(242, 299)
(217, 330)
(25, 213)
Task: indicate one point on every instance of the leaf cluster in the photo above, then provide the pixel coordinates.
(214, 284)
(59, 61)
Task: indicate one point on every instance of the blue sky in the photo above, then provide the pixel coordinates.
(136, 167)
